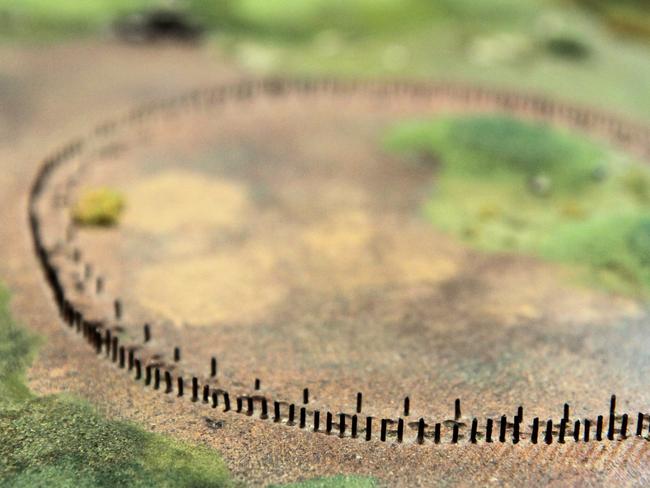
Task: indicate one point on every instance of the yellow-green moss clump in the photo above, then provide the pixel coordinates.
(98, 207)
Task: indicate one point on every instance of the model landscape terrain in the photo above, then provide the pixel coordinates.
(354, 244)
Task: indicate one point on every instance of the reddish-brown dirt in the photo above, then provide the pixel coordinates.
(301, 259)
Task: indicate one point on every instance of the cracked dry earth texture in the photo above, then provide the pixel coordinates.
(277, 235)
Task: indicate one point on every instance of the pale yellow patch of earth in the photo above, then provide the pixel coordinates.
(180, 200)
(236, 284)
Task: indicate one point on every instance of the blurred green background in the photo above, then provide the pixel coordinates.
(595, 51)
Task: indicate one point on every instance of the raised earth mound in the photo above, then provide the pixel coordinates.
(284, 270)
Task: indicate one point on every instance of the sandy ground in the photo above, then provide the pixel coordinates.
(282, 239)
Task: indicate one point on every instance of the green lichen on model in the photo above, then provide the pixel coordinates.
(507, 185)
(335, 482)
(99, 207)
(60, 441)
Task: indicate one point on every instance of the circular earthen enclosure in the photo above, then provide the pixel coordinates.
(266, 227)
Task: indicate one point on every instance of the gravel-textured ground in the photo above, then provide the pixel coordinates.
(301, 258)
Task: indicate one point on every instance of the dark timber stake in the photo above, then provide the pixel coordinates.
(215, 399)
(316, 420)
(98, 342)
(454, 434)
(368, 428)
(515, 430)
(407, 406)
(436, 433)
(265, 409)
(122, 357)
(354, 427)
(177, 354)
(639, 424)
(168, 382)
(420, 436)
(548, 438)
(180, 386)
(535, 432)
(612, 418)
(147, 333)
(457, 413)
(226, 402)
(240, 404)
(292, 414)
(258, 383)
(359, 401)
(400, 430)
(488, 430)
(305, 396)
(587, 428)
(138, 369)
(328, 423)
(382, 434)
(250, 406)
(195, 389)
(472, 434)
(276, 411)
(213, 367)
(303, 417)
(520, 413)
(131, 358)
(147, 375)
(566, 411)
(624, 420)
(502, 428)
(206, 393)
(156, 379)
(562, 431)
(599, 428)
(341, 425)
(114, 348)
(610, 427)
(117, 305)
(576, 431)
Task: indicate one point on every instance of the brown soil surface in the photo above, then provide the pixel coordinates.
(278, 236)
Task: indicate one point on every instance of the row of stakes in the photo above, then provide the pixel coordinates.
(154, 375)
(509, 100)
(348, 425)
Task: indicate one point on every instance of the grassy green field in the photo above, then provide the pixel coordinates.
(506, 185)
(27, 20)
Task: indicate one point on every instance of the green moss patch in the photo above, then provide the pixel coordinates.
(64, 442)
(16, 347)
(98, 207)
(336, 482)
(507, 185)
(60, 441)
